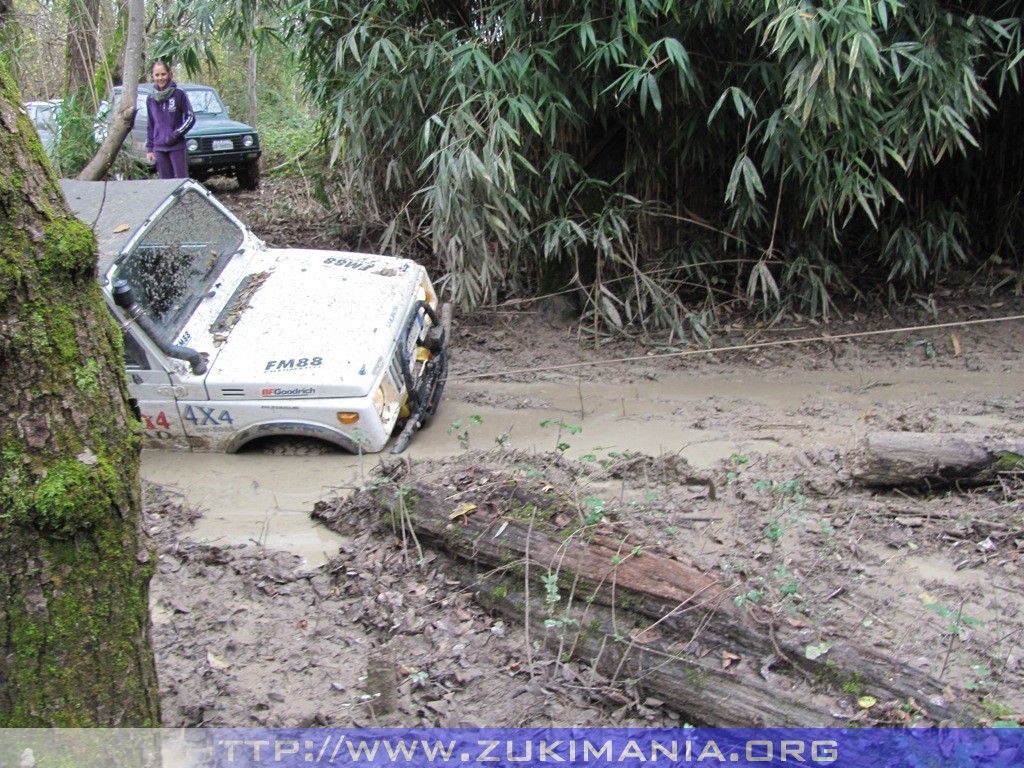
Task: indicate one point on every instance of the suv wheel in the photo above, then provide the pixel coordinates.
(284, 445)
(248, 174)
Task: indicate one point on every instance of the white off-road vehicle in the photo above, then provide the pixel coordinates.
(228, 341)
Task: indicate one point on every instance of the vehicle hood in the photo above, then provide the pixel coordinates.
(311, 324)
(211, 125)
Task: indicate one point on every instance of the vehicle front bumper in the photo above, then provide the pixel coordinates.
(222, 159)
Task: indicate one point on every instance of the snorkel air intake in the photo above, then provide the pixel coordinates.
(124, 297)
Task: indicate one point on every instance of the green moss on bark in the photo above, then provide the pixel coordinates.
(74, 578)
(84, 625)
(73, 496)
(70, 247)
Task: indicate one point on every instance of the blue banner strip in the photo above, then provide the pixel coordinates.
(512, 748)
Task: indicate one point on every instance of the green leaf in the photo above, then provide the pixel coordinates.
(817, 650)
(650, 91)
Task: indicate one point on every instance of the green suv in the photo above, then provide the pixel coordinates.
(217, 145)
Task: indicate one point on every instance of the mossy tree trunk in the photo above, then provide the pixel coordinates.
(74, 573)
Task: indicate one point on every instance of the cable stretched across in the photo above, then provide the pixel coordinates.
(826, 337)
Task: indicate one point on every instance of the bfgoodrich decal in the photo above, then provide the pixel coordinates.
(295, 392)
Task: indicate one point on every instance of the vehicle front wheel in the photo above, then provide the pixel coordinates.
(248, 174)
(286, 445)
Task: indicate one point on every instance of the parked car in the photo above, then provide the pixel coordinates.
(227, 341)
(217, 145)
(44, 116)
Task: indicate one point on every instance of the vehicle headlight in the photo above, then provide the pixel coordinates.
(248, 141)
(192, 145)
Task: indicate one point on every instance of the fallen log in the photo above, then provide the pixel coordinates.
(675, 631)
(934, 459)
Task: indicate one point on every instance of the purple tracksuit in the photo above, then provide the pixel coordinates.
(169, 121)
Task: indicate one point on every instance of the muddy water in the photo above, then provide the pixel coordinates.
(266, 499)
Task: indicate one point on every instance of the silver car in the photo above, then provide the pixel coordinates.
(44, 115)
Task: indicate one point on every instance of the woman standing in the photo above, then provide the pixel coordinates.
(170, 118)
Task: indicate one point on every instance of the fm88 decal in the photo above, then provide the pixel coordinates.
(293, 364)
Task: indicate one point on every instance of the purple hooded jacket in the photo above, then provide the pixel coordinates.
(169, 120)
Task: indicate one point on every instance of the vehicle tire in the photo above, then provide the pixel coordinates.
(248, 174)
(295, 446)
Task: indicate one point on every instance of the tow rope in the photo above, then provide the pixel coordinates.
(825, 337)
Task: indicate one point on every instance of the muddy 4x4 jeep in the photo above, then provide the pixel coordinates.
(217, 145)
(228, 341)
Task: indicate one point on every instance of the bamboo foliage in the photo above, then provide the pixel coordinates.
(664, 157)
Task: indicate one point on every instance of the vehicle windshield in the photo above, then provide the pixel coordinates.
(204, 101)
(174, 264)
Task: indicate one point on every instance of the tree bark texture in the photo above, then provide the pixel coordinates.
(926, 459)
(74, 573)
(638, 615)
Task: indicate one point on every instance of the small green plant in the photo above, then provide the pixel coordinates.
(595, 454)
(956, 623)
(552, 596)
(597, 507)
(463, 435)
(406, 494)
(999, 711)
(737, 461)
(982, 680)
(551, 593)
(955, 627)
(773, 530)
(788, 585)
(752, 596)
(789, 505)
(560, 622)
(852, 688)
(568, 429)
(817, 650)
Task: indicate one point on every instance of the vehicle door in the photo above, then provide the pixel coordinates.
(154, 393)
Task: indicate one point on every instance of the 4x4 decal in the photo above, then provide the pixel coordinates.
(202, 416)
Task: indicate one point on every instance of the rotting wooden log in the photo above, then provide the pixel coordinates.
(895, 459)
(639, 615)
(698, 685)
